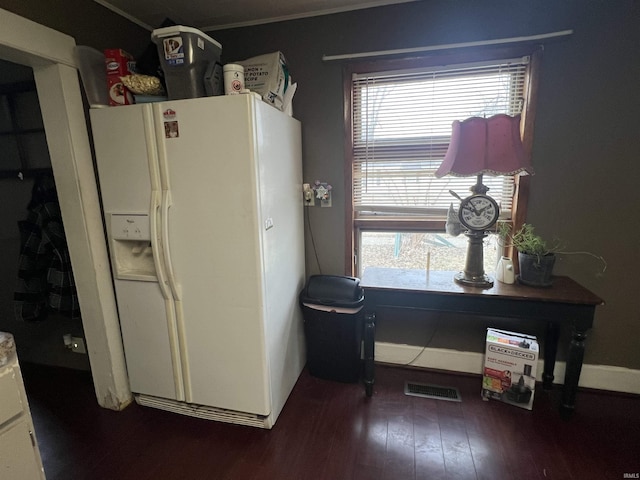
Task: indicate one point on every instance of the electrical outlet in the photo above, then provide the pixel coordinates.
(326, 200)
(77, 345)
(308, 195)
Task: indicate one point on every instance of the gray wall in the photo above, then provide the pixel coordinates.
(88, 22)
(585, 151)
(586, 132)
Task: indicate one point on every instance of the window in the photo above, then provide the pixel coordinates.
(400, 127)
(22, 139)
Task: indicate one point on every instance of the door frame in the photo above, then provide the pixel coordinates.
(50, 54)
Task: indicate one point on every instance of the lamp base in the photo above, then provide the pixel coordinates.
(483, 281)
(473, 274)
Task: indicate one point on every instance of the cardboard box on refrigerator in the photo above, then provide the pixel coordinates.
(510, 366)
(118, 63)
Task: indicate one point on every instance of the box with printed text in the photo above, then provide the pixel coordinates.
(267, 75)
(118, 63)
(510, 366)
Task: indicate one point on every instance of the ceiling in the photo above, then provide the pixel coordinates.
(220, 14)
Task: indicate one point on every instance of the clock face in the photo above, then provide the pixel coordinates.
(478, 212)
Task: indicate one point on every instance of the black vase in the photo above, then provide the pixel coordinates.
(536, 270)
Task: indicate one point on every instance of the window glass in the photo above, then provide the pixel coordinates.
(28, 115)
(10, 158)
(36, 151)
(6, 124)
(420, 251)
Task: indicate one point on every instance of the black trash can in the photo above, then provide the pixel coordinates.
(332, 310)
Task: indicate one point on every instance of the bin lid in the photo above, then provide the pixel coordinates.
(333, 290)
(177, 29)
(333, 308)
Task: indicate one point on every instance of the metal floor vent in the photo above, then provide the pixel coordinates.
(432, 391)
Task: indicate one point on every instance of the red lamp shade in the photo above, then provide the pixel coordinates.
(485, 145)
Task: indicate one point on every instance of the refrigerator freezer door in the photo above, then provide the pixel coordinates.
(125, 149)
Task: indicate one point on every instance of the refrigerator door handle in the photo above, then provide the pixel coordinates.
(160, 201)
(166, 253)
(170, 306)
(175, 288)
(156, 246)
(173, 284)
(163, 175)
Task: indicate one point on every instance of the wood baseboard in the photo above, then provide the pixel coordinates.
(601, 377)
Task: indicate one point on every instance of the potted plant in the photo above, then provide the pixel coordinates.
(536, 257)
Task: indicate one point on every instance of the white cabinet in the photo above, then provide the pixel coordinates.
(19, 454)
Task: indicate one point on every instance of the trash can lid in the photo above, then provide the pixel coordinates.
(333, 290)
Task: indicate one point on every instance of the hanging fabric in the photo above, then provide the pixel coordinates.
(45, 277)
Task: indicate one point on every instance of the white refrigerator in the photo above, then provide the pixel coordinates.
(203, 211)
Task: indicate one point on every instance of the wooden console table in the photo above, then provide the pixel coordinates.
(565, 302)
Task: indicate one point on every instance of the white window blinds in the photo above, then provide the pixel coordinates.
(401, 130)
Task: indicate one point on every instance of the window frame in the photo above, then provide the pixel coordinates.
(521, 183)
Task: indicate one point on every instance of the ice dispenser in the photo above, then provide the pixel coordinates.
(131, 247)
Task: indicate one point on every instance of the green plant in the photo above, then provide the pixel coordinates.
(503, 229)
(525, 240)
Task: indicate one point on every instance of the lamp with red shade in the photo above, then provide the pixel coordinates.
(482, 146)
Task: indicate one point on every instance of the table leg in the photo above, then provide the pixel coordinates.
(369, 352)
(550, 350)
(575, 355)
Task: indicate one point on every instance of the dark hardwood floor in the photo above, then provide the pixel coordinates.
(332, 431)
